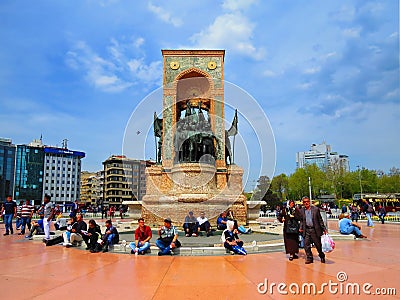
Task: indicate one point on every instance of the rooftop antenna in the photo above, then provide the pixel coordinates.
(64, 144)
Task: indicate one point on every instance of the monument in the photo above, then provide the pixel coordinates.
(195, 168)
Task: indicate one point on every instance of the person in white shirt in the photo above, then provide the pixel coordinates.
(204, 225)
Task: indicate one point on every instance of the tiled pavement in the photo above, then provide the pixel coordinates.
(29, 270)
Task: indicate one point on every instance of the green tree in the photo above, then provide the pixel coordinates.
(350, 185)
(298, 184)
(335, 178)
(263, 192)
(319, 184)
(279, 186)
(261, 189)
(389, 183)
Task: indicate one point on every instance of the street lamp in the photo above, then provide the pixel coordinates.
(359, 177)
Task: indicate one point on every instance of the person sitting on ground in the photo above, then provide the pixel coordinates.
(57, 211)
(92, 235)
(36, 228)
(110, 237)
(67, 234)
(348, 227)
(77, 230)
(190, 225)
(143, 236)
(203, 224)
(61, 223)
(168, 239)
(231, 239)
(221, 221)
(240, 228)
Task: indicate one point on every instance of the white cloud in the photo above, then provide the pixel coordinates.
(352, 32)
(305, 86)
(312, 70)
(270, 73)
(231, 31)
(116, 70)
(164, 15)
(394, 94)
(138, 42)
(235, 5)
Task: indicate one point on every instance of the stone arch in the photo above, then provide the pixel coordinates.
(193, 91)
(194, 85)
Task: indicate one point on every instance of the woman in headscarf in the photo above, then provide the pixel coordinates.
(290, 216)
(231, 239)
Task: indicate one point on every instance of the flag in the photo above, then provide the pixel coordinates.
(234, 127)
(157, 126)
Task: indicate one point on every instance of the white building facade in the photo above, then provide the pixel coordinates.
(323, 157)
(62, 170)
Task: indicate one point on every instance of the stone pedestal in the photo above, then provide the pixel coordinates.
(135, 208)
(253, 210)
(192, 187)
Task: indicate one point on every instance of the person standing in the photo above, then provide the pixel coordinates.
(143, 235)
(312, 227)
(290, 216)
(382, 213)
(26, 216)
(369, 211)
(18, 219)
(74, 209)
(9, 211)
(354, 213)
(48, 216)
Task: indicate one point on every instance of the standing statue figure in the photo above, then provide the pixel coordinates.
(188, 109)
(160, 141)
(228, 150)
(179, 138)
(158, 133)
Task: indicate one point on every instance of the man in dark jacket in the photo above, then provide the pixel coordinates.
(110, 237)
(312, 227)
(78, 230)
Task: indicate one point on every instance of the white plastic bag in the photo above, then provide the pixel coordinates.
(327, 243)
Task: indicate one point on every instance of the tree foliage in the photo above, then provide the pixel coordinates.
(333, 180)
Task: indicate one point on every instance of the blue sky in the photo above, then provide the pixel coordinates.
(320, 70)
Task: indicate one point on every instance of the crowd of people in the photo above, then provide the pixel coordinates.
(302, 226)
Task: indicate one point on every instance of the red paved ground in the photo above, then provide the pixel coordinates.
(29, 270)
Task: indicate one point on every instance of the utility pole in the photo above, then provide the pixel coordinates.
(359, 178)
(309, 189)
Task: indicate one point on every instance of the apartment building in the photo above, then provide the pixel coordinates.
(124, 179)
